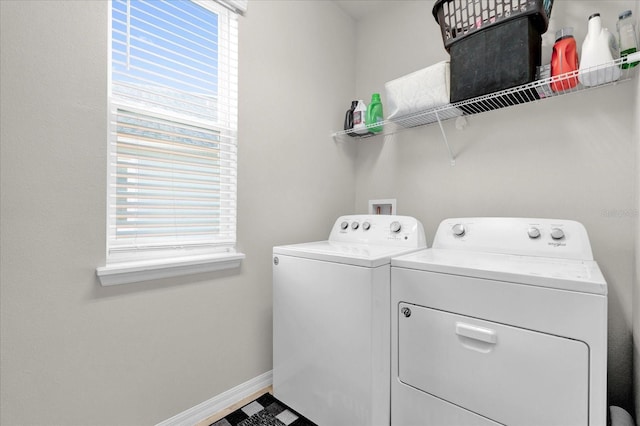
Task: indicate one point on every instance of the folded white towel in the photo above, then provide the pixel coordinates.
(418, 91)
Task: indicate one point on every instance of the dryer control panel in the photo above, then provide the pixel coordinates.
(555, 238)
(389, 230)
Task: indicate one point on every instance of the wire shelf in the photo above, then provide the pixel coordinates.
(599, 76)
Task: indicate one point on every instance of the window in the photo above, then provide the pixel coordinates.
(172, 142)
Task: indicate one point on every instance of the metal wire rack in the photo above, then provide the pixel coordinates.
(599, 76)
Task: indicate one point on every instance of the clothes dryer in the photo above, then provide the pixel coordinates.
(502, 321)
(332, 319)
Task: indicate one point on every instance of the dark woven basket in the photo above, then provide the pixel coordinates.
(461, 18)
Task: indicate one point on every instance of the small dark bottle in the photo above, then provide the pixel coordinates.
(348, 118)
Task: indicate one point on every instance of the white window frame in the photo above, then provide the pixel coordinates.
(143, 265)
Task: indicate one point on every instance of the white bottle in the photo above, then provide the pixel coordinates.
(359, 119)
(596, 59)
(627, 40)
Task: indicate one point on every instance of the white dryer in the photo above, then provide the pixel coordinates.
(332, 319)
(502, 321)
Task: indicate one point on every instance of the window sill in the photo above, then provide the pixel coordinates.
(132, 272)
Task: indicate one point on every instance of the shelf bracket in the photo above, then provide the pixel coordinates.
(452, 158)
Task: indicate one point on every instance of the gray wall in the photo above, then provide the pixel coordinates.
(636, 287)
(572, 157)
(75, 353)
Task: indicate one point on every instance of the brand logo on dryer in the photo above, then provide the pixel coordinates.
(557, 244)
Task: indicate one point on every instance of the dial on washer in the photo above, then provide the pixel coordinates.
(557, 233)
(533, 232)
(458, 230)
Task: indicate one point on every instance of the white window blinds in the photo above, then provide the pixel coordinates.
(172, 171)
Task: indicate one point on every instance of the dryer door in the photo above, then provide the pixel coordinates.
(508, 374)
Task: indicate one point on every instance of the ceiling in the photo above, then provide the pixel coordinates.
(358, 9)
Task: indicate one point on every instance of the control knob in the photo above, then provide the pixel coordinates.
(557, 233)
(355, 225)
(395, 227)
(344, 225)
(458, 230)
(366, 226)
(533, 232)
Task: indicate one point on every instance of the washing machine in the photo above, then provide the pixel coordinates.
(332, 319)
(502, 322)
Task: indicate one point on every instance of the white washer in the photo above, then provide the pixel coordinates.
(502, 321)
(332, 319)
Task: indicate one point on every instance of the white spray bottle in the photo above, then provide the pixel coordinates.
(359, 118)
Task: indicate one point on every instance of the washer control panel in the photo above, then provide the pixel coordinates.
(566, 239)
(379, 229)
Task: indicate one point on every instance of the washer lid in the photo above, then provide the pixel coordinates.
(566, 274)
(370, 256)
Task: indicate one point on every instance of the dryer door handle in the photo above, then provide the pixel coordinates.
(476, 333)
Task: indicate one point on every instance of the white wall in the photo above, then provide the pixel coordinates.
(571, 157)
(75, 353)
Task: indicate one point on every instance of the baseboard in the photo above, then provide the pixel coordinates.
(227, 398)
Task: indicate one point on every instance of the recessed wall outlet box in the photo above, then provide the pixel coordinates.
(383, 206)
